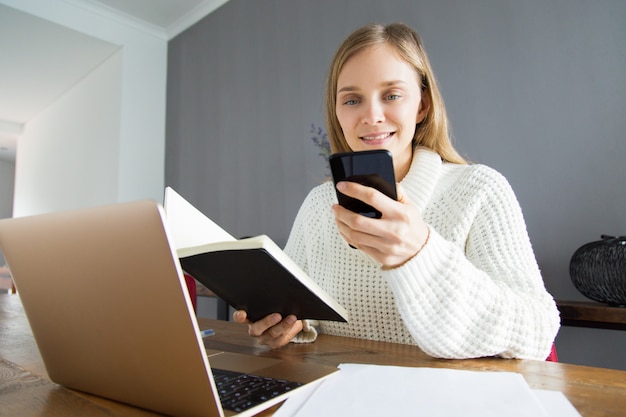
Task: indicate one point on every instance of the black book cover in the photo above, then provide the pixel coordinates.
(252, 280)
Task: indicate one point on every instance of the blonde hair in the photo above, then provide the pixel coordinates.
(433, 131)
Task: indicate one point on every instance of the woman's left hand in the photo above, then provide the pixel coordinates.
(272, 330)
(391, 240)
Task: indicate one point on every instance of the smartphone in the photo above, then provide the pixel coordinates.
(372, 168)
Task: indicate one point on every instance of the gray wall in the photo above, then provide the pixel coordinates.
(7, 185)
(535, 89)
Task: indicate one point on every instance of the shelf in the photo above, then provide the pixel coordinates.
(592, 314)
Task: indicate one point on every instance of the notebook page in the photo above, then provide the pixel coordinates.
(188, 226)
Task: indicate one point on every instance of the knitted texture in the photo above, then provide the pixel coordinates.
(474, 290)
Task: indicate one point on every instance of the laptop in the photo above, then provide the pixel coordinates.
(106, 300)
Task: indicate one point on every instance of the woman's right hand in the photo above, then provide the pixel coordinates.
(391, 240)
(272, 330)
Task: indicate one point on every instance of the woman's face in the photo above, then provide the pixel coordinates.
(379, 103)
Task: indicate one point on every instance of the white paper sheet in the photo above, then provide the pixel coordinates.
(374, 390)
(188, 226)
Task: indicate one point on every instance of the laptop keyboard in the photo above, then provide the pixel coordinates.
(239, 391)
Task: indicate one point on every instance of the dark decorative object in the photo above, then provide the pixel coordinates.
(598, 270)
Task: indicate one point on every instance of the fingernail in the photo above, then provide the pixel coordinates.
(291, 319)
(341, 186)
(276, 318)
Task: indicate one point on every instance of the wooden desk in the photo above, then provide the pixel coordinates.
(25, 389)
(591, 314)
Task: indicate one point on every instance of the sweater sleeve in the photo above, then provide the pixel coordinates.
(296, 250)
(483, 296)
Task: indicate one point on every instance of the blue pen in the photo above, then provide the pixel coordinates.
(207, 332)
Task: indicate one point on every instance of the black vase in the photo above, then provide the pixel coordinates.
(598, 270)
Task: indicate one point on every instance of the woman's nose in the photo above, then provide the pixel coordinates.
(373, 113)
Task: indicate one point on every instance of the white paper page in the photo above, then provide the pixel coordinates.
(556, 403)
(295, 401)
(373, 390)
(188, 226)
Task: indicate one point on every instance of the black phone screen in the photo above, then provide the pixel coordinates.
(371, 168)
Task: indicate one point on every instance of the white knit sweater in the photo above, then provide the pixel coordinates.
(474, 290)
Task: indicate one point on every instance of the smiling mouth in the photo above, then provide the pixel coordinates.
(380, 136)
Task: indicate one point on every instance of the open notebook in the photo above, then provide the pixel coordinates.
(106, 299)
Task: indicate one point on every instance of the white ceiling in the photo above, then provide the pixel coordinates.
(29, 44)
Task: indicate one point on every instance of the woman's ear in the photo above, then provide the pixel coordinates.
(422, 111)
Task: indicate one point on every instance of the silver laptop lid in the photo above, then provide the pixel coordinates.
(105, 298)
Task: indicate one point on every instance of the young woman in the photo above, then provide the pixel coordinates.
(449, 266)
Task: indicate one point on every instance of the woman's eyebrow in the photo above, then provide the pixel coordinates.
(347, 89)
(391, 83)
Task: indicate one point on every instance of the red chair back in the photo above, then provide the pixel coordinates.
(191, 287)
(553, 356)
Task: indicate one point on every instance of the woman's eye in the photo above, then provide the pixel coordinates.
(351, 102)
(392, 97)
